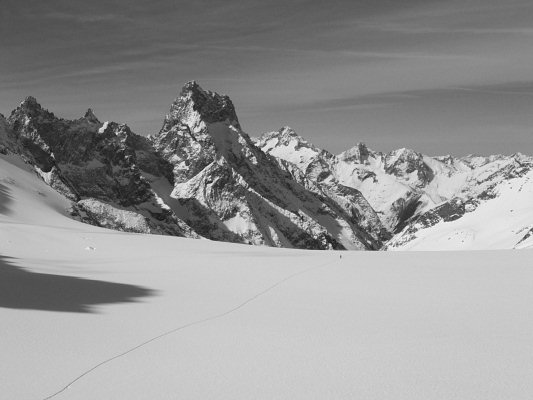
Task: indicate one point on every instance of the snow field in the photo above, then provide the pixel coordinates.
(257, 322)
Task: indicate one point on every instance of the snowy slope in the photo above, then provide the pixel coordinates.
(418, 197)
(504, 222)
(315, 169)
(397, 185)
(203, 176)
(491, 209)
(228, 189)
(98, 166)
(115, 315)
(208, 177)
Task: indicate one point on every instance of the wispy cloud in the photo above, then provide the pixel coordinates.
(83, 18)
(364, 102)
(386, 99)
(399, 28)
(513, 88)
(393, 64)
(340, 52)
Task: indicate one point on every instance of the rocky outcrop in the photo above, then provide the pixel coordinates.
(85, 159)
(231, 190)
(202, 175)
(314, 169)
(483, 182)
(397, 193)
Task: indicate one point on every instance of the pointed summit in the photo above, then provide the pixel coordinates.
(191, 86)
(284, 137)
(403, 156)
(30, 100)
(27, 108)
(288, 131)
(196, 107)
(289, 146)
(30, 104)
(285, 133)
(90, 117)
(402, 162)
(358, 154)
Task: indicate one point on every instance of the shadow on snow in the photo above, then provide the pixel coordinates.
(23, 289)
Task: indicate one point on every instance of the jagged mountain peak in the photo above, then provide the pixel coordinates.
(279, 190)
(191, 86)
(315, 169)
(111, 126)
(403, 156)
(403, 162)
(231, 190)
(196, 107)
(283, 137)
(405, 152)
(288, 145)
(29, 107)
(286, 132)
(90, 117)
(358, 154)
(112, 129)
(201, 126)
(30, 102)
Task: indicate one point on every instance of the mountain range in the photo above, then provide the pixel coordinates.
(202, 176)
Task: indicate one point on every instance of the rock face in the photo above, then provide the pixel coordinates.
(393, 183)
(314, 168)
(228, 189)
(202, 176)
(85, 159)
(483, 182)
(403, 192)
(389, 186)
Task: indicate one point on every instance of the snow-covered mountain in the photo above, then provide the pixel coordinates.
(228, 189)
(203, 176)
(90, 313)
(411, 192)
(489, 208)
(99, 167)
(312, 167)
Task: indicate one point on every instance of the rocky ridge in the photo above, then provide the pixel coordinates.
(86, 160)
(201, 175)
(407, 190)
(228, 189)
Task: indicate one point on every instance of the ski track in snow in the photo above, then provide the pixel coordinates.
(182, 327)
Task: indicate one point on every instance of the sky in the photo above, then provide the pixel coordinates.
(441, 77)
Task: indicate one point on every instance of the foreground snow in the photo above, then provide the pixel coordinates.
(242, 322)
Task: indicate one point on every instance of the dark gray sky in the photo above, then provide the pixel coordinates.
(437, 76)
